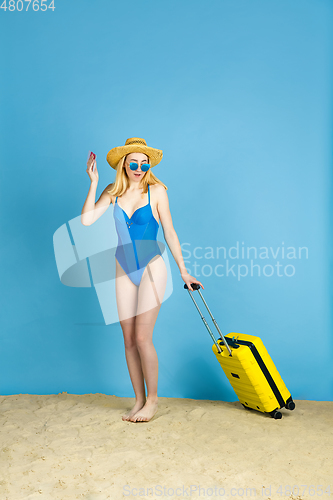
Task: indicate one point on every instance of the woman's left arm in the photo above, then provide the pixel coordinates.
(170, 235)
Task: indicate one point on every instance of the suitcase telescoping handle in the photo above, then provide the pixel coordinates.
(196, 286)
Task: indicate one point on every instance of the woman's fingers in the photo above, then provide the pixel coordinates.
(190, 280)
(193, 280)
(91, 162)
(91, 171)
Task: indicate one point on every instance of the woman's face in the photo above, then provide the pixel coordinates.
(139, 158)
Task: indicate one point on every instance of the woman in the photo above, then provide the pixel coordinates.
(140, 269)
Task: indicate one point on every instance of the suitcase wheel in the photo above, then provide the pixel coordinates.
(290, 405)
(276, 414)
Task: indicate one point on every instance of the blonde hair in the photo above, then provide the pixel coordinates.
(121, 182)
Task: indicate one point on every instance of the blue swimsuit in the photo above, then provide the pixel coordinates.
(137, 243)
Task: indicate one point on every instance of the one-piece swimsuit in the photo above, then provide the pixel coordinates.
(137, 243)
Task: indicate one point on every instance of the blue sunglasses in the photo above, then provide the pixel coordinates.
(144, 167)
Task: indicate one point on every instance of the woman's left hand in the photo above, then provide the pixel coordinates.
(189, 279)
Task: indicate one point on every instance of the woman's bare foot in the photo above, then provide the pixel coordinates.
(146, 413)
(138, 405)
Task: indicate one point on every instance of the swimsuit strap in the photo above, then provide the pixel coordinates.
(116, 200)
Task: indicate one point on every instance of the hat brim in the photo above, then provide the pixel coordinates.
(115, 154)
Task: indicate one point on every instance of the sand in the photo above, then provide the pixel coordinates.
(69, 446)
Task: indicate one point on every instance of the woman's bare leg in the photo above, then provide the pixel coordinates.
(150, 297)
(134, 367)
(127, 295)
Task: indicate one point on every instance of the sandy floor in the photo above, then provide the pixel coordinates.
(77, 446)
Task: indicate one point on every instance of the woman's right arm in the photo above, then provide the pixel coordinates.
(91, 211)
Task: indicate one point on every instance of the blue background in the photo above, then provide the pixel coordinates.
(238, 95)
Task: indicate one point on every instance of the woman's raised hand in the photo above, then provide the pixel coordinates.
(93, 174)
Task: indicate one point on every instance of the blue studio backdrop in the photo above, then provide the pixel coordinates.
(238, 95)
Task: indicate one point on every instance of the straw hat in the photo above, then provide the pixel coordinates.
(134, 145)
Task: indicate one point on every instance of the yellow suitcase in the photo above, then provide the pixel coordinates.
(249, 368)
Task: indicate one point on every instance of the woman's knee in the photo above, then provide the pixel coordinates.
(130, 342)
(143, 337)
(128, 327)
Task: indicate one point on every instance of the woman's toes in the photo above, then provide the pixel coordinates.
(146, 413)
(137, 407)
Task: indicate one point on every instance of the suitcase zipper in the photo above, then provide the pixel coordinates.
(264, 370)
